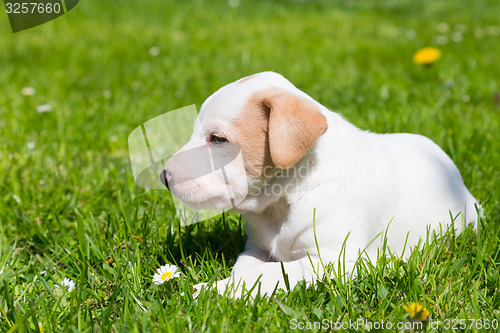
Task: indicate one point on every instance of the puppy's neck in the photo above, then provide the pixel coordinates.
(279, 186)
(263, 227)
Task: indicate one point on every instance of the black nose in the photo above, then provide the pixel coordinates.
(164, 178)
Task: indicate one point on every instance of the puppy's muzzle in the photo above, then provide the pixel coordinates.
(165, 177)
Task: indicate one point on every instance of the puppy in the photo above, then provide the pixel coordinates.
(308, 181)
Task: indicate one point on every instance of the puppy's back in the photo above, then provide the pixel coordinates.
(429, 183)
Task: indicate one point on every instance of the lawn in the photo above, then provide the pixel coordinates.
(69, 206)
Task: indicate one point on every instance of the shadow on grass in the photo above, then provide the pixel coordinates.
(221, 239)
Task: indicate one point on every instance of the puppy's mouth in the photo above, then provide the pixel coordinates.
(185, 191)
(191, 194)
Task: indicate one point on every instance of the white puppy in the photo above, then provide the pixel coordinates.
(304, 166)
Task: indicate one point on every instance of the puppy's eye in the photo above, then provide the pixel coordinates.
(217, 139)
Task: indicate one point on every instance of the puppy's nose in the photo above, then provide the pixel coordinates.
(165, 176)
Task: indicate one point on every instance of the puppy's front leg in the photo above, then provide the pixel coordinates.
(246, 260)
(249, 258)
(249, 274)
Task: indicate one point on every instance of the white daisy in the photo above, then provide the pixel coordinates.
(28, 91)
(443, 27)
(44, 108)
(493, 30)
(165, 273)
(233, 3)
(107, 94)
(457, 37)
(479, 33)
(67, 284)
(154, 51)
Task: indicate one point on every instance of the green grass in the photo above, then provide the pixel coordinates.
(70, 204)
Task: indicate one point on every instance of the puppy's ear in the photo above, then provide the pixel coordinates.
(294, 126)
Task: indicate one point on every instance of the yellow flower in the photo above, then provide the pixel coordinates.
(417, 312)
(426, 56)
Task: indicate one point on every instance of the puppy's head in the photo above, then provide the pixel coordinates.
(244, 132)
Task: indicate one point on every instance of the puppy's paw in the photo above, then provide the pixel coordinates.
(219, 286)
(198, 287)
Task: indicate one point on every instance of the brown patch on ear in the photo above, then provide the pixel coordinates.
(249, 132)
(276, 128)
(295, 124)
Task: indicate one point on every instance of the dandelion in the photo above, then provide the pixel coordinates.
(416, 312)
(154, 51)
(426, 56)
(68, 284)
(31, 145)
(165, 273)
(44, 108)
(28, 91)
